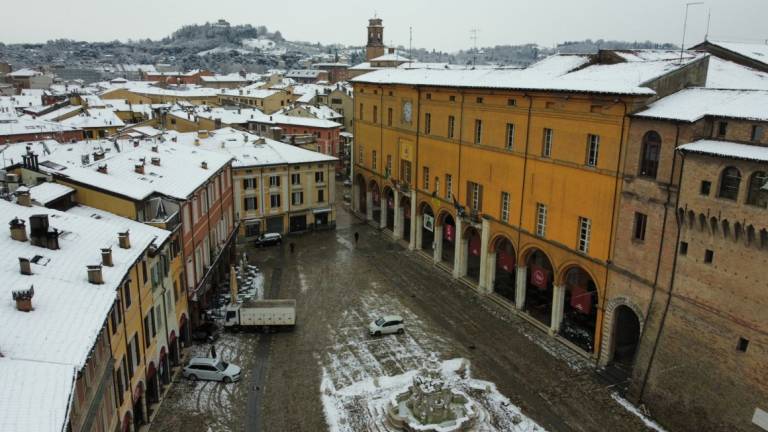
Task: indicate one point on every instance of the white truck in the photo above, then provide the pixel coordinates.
(261, 315)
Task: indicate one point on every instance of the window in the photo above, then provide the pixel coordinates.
(361, 112)
(297, 198)
(274, 181)
(249, 203)
(427, 123)
(274, 200)
(127, 294)
(375, 114)
(479, 100)
(722, 128)
(319, 177)
(405, 171)
(452, 98)
(585, 231)
(757, 133)
(389, 116)
(144, 271)
(448, 186)
(510, 141)
(546, 147)
(706, 186)
(478, 131)
(649, 162)
(295, 179)
(511, 102)
(360, 158)
(541, 220)
(320, 195)
(683, 248)
(593, 148)
(388, 168)
(709, 256)
(249, 183)
(451, 122)
(373, 160)
(505, 206)
(429, 96)
(475, 196)
(742, 345)
(758, 189)
(640, 222)
(425, 177)
(730, 180)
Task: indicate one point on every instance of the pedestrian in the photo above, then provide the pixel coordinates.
(292, 246)
(357, 237)
(213, 351)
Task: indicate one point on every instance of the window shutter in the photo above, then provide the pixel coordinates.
(479, 198)
(468, 202)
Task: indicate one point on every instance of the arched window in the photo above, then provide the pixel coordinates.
(649, 162)
(730, 180)
(758, 189)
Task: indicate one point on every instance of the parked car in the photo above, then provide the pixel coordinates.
(211, 369)
(268, 239)
(387, 325)
(206, 332)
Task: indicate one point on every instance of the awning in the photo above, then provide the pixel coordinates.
(323, 210)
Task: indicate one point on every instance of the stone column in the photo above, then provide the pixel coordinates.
(438, 245)
(417, 232)
(355, 196)
(397, 227)
(490, 272)
(415, 223)
(383, 217)
(368, 205)
(521, 280)
(558, 304)
(485, 238)
(459, 262)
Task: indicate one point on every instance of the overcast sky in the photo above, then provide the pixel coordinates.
(443, 25)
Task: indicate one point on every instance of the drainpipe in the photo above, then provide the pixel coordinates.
(671, 288)
(525, 169)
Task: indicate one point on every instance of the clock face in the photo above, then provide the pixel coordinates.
(407, 111)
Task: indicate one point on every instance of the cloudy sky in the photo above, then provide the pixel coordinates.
(443, 25)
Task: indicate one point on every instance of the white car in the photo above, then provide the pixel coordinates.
(211, 369)
(387, 325)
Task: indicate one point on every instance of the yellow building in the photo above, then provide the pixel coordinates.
(266, 100)
(508, 178)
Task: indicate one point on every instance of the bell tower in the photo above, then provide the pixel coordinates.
(375, 46)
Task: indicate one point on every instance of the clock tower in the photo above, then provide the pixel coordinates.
(375, 46)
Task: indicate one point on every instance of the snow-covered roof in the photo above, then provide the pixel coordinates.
(185, 91)
(227, 116)
(727, 149)
(257, 93)
(304, 73)
(724, 74)
(94, 118)
(60, 112)
(323, 112)
(390, 57)
(179, 174)
(20, 101)
(146, 68)
(303, 121)
(35, 395)
(754, 51)
(230, 78)
(554, 74)
(47, 192)
(362, 66)
(24, 73)
(250, 150)
(693, 104)
(22, 126)
(11, 154)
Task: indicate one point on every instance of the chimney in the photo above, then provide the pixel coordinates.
(98, 155)
(25, 266)
(106, 257)
(154, 148)
(156, 161)
(135, 143)
(139, 168)
(204, 165)
(24, 298)
(18, 230)
(124, 240)
(102, 169)
(23, 198)
(391, 50)
(94, 274)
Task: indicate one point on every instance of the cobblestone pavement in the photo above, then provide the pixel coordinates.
(340, 287)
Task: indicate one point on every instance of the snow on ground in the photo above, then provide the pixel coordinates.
(304, 285)
(555, 348)
(634, 410)
(360, 373)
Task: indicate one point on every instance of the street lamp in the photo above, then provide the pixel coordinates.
(685, 25)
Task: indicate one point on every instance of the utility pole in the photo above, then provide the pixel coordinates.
(685, 26)
(709, 21)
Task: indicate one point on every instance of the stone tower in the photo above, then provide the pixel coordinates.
(375, 47)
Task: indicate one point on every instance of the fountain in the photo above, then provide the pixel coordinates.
(430, 404)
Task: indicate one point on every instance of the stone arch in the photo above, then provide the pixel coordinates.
(579, 306)
(388, 195)
(502, 265)
(472, 244)
(448, 236)
(702, 222)
(713, 225)
(750, 235)
(737, 231)
(691, 219)
(539, 284)
(726, 228)
(426, 227)
(496, 238)
(764, 238)
(530, 249)
(442, 215)
(611, 328)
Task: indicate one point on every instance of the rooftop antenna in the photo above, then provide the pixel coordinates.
(410, 46)
(685, 26)
(473, 32)
(709, 21)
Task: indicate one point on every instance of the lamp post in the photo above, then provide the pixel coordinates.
(685, 25)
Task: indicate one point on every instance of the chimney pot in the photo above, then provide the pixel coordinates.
(23, 298)
(154, 149)
(102, 168)
(25, 266)
(156, 161)
(106, 257)
(18, 230)
(204, 165)
(139, 168)
(124, 240)
(94, 274)
(23, 198)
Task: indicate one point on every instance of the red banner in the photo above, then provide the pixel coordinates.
(474, 245)
(581, 299)
(539, 277)
(449, 232)
(506, 261)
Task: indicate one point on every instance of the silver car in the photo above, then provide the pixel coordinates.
(211, 369)
(387, 325)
